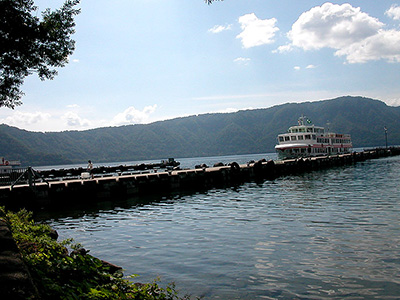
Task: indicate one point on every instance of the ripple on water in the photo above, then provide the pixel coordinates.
(332, 234)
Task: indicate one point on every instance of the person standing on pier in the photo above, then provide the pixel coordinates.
(90, 168)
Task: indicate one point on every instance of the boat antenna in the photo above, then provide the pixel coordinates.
(327, 125)
(300, 120)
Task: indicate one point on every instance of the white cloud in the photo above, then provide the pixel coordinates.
(45, 121)
(385, 45)
(393, 101)
(73, 106)
(133, 116)
(74, 60)
(332, 25)
(220, 28)
(25, 118)
(256, 32)
(227, 110)
(297, 68)
(351, 32)
(242, 60)
(285, 48)
(229, 97)
(393, 12)
(73, 120)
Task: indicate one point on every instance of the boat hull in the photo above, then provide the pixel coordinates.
(290, 151)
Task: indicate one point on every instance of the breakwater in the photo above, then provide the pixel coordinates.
(120, 169)
(116, 187)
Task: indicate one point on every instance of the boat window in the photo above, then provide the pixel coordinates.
(293, 137)
(307, 136)
(309, 129)
(302, 129)
(287, 138)
(300, 137)
(281, 138)
(314, 136)
(322, 140)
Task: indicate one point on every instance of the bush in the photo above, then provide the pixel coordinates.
(59, 274)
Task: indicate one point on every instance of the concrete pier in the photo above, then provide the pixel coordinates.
(114, 187)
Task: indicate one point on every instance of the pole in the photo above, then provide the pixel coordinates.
(385, 137)
(30, 177)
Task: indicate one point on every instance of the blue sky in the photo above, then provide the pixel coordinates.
(140, 61)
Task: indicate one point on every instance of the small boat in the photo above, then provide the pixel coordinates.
(306, 139)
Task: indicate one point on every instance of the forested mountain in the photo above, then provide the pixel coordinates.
(243, 132)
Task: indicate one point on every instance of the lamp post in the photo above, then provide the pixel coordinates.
(385, 136)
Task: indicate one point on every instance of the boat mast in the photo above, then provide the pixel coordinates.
(303, 120)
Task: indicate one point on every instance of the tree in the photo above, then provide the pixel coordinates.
(29, 44)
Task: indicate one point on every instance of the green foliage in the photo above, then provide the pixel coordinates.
(78, 275)
(31, 44)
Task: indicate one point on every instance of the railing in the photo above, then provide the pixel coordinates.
(9, 176)
(17, 176)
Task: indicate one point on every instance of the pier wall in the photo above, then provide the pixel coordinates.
(116, 187)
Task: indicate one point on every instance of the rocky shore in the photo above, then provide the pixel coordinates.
(15, 281)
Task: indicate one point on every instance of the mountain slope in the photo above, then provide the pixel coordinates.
(249, 131)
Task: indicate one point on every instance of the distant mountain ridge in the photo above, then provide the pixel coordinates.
(242, 132)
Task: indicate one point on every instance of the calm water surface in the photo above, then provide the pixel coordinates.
(331, 234)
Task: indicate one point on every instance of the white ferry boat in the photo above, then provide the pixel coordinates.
(306, 139)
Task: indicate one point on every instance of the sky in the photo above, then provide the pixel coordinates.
(141, 61)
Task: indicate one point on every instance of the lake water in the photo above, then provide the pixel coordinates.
(332, 234)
